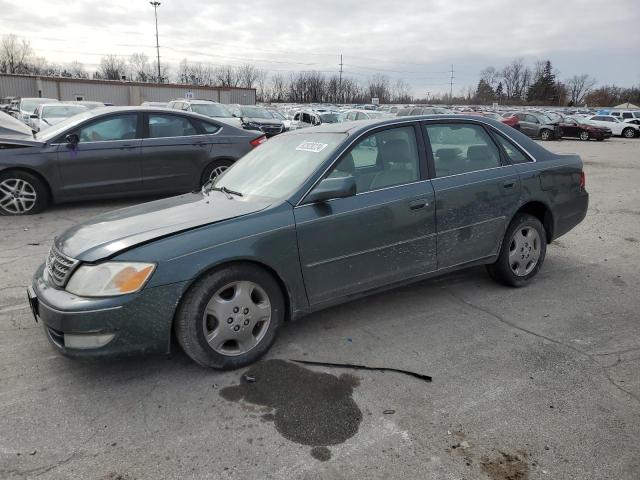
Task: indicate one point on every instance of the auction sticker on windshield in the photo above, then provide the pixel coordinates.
(311, 147)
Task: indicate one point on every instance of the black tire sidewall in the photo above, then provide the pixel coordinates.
(42, 193)
(188, 323)
(501, 269)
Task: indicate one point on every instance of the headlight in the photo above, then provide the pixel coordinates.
(109, 279)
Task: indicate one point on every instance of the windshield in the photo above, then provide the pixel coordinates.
(329, 117)
(277, 115)
(210, 110)
(56, 130)
(29, 105)
(255, 112)
(543, 118)
(280, 166)
(62, 111)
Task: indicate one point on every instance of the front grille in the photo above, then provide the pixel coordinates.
(59, 266)
(271, 129)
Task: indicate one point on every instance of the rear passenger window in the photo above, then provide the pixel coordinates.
(382, 159)
(515, 155)
(461, 148)
(161, 125)
(209, 127)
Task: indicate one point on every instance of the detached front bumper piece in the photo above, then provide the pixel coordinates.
(138, 323)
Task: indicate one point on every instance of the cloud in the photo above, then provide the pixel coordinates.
(417, 40)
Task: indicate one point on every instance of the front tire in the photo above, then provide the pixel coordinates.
(522, 252)
(22, 193)
(230, 317)
(628, 132)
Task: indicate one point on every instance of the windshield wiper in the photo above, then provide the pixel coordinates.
(226, 191)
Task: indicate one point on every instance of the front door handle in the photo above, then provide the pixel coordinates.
(200, 144)
(509, 184)
(418, 204)
(128, 147)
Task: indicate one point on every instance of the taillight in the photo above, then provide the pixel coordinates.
(583, 180)
(258, 141)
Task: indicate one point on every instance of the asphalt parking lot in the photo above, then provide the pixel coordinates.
(540, 382)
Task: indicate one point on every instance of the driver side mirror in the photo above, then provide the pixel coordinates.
(72, 139)
(330, 188)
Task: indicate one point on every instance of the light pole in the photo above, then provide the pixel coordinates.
(155, 10)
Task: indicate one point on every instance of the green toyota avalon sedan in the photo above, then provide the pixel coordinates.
(312, 218)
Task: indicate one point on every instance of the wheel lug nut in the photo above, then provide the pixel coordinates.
(229, 320)
(246, 310)
(236, 309)
(236, 328)
(246, 322)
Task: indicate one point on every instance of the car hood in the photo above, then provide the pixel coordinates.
(113, 232)
(263, 121)
(233, 121)
(18, 139)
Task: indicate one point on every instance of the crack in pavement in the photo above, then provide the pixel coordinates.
(544, 337)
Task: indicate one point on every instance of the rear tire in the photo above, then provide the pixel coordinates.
(522, 252)
(584, 135)
(628, 132)
(546, 134)
(230, 317)
(22, 193)
(214, 169)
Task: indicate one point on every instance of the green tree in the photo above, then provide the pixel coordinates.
(484, 92)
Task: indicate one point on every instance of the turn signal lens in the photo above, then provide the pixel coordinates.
(109, 279)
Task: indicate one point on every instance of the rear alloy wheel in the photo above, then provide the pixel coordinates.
(584, 135)
(230, 317)
(628, 133)
(214, 170)
(22, 194)
(546, 134)
(522, 253)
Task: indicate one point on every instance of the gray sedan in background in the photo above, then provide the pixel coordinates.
(116, 152)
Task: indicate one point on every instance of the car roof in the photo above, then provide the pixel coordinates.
(356, 127)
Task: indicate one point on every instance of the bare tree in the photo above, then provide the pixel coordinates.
(516, 77)
(379, 87)
(111, 68)
(278, 88)
(579, 86)
(15, 54)
(491, 76)
(139, 67)
(227, 76)
(77, 70)
(261, 80)
(247, 75)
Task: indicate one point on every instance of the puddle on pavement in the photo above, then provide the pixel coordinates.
(310, 408)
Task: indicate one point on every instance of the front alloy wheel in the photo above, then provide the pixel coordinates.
(584, 135)
(230, 317)
(545, 134)
(628, 133)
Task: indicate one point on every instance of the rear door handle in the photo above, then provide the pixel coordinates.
(128, 147)
(509, 184)
(418, 204)
(200, 144)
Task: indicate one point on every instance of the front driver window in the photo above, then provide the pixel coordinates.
(116, 127)
(382, 159)
(460, 148)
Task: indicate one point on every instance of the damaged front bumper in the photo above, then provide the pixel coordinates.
(138, 323)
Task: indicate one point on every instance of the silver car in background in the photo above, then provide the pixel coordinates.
(48, 114)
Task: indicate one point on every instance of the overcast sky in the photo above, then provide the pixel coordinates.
(416, 40)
